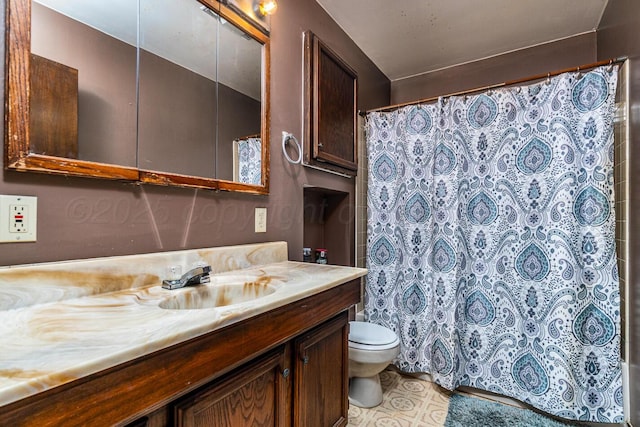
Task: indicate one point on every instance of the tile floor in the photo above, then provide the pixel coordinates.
(407, 401)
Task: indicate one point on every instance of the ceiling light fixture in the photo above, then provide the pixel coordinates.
(268, 7)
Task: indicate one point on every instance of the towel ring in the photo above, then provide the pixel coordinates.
(286, 137)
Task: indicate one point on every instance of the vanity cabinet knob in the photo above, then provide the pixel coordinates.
(305, 359)
(285, 373)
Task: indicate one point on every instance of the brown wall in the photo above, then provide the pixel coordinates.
(617, 37)
(83, 218)
(571, 52)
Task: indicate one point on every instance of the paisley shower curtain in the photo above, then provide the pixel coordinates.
(491, 242)
(247, 162)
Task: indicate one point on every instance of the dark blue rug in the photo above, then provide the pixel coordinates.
(471, 412)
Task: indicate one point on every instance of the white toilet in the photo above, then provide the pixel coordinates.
(371, 348)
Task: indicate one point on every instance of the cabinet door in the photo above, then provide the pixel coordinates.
(320, 396)
(253, 395)
(330, 109)
(54, 108)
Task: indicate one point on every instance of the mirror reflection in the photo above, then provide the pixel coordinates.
(239, 104)
(77, 37)
(162, 85)
(178, 87)
(247, 160)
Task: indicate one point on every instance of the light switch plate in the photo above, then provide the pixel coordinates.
(18, 218)
(261, 220)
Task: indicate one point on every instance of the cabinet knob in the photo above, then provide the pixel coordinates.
(305, 359)
(285, 373)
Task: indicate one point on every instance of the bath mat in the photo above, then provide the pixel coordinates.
(471, 412)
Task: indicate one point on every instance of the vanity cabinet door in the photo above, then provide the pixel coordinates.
(321, 369)
(253, 395)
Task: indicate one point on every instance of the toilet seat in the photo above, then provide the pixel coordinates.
(369, 336)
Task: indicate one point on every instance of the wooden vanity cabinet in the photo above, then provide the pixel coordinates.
(268, 392)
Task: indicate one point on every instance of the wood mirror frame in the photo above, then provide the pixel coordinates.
(17, 153)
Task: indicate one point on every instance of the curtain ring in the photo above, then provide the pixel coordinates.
(610, 69)
(579, 73)
(548, 78)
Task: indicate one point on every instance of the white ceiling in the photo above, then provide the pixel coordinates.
(409, 37)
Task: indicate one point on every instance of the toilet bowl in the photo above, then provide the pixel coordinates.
(371, 348)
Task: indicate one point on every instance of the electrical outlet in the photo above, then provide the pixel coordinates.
(261, 220)
(18, 218)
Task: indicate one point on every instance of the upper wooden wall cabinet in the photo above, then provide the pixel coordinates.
(330, 109)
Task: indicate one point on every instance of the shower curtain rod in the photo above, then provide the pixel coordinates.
(499, 85)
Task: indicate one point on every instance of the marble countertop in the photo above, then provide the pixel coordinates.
(49, 343)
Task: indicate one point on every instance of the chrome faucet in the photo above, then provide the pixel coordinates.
(194, 276)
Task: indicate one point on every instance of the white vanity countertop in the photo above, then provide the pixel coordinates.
(49, 343)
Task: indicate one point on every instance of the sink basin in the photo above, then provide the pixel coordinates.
(217, 295)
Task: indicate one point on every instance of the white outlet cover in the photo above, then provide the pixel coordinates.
(261, 220)
(28, 231)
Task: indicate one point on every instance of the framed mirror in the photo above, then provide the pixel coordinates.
(171, 92)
